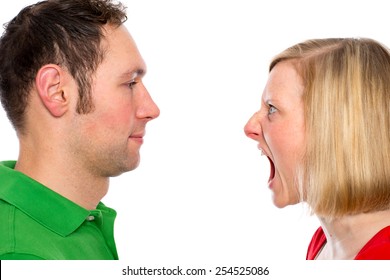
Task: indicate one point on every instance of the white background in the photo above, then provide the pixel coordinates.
(200, 196)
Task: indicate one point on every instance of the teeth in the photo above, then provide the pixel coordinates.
(261, 150)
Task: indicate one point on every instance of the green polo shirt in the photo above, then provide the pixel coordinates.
(38, 223)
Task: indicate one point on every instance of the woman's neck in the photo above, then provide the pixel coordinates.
(346, 236)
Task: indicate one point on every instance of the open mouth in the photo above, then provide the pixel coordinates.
(272, 169)
(272, 165)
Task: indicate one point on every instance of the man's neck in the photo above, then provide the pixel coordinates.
(63, 176)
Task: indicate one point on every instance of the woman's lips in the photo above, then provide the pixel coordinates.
(272, 170)
(272, 166)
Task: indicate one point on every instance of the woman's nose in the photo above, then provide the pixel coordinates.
(253, 128)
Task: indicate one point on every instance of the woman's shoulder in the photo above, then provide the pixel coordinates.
(317, 242)
(378, 248)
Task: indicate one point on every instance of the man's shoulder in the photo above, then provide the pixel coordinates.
(7, 221)
(13, 227)
(24, 238)
(19, 256)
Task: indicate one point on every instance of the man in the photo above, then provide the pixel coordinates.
(71, 85)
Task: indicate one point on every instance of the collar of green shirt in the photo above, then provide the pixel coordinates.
(41, 203)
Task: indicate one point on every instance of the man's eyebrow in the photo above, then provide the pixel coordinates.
(139, 72)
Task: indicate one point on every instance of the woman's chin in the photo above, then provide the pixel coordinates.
(281, 202)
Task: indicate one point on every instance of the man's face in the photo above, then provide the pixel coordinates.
(107, 140)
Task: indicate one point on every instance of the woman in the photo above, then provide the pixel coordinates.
(324, 125)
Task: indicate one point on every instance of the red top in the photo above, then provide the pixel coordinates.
(378, 248)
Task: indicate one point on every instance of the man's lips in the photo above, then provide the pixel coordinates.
(138, 137)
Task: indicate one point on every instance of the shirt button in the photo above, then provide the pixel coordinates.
(90, 218)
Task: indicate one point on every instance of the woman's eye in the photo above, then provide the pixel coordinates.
(271, 109)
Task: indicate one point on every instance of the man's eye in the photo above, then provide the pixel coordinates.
(132, 84)
(271, 109)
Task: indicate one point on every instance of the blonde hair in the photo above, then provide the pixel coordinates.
(346, 167)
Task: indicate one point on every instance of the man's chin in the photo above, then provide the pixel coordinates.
(123, 168)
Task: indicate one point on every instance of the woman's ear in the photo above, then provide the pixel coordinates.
(49, 85)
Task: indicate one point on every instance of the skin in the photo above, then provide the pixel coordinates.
(346, 236)
(280, 131)
(75, 154)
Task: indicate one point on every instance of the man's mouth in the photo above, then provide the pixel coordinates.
(138, 137)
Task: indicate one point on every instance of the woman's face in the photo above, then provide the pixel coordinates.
(279, 128)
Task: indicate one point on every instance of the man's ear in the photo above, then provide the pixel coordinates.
(49, 84)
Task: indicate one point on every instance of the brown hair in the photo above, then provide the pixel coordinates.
(63, 32)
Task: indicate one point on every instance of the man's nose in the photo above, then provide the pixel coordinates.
(148, 109)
